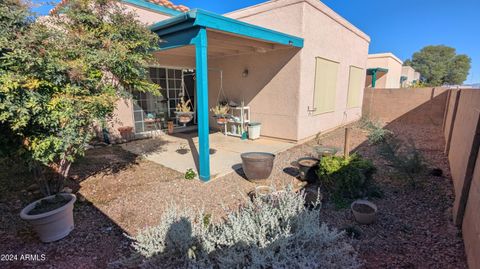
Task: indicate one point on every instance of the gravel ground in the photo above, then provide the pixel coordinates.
(121, 193)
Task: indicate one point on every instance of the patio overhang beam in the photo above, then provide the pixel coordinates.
(201, 18)
(373, 72)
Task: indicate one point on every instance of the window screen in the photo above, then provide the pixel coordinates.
(326, 72)
(354, 87)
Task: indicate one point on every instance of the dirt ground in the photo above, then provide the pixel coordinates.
(122, 193)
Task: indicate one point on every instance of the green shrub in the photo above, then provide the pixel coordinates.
(346, 178)
(404, 158)
(376, 133)
(190, 174)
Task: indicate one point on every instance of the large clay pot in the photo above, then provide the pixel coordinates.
(257, 165)
(53, 225)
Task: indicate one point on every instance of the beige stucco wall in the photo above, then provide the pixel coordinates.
(326, 35)
(416, 76)
(409, 73)
(389, 61)
(123, 114)
(328, 38)
(270, 89)
(280, 85)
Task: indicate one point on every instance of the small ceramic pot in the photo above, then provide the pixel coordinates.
(308, 169)
(365, 212)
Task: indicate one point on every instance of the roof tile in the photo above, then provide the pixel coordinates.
(165, 3)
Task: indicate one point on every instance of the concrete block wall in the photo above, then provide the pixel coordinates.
(457, 111)
(462, 143)
(388, 105)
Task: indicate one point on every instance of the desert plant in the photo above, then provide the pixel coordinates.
(376, 133)
(345, 178)
(404, 157)
(62, 75)
(265, 233)
(184, 106)
(220, 109)
(190, 174)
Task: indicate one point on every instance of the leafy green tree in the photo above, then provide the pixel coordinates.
(440, 65)
(62, 74)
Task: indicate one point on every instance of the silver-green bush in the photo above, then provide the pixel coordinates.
(278, 232)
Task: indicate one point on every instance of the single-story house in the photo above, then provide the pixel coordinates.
(296, 65)
(384, 70)
(416, 76)
(409, 76)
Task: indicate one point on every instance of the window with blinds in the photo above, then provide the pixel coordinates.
(355, 87)
(326, 74)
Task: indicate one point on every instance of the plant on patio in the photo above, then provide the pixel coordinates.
(190, 174)
(184, 111)
(184, 106)
(346, 178)
(220, 113)
(278, 232)
(406, 159)
(62, 75)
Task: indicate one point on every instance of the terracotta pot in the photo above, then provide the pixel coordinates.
(367, 216)
(257, 165)
(170, 127)
(54, 225)
(308, 167)
(184, 117)
(221, 121)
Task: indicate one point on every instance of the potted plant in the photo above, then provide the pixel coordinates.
(56, 99)
(220, 113)
(184, 111)
(364, 211)
(51, 217)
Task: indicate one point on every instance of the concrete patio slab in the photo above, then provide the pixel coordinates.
(180, 152)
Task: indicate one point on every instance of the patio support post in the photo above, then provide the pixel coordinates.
(202, 103)
(374, 78)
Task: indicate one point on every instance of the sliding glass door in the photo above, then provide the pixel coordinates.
(151, 113)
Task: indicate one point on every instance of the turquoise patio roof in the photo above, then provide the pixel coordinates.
(200, 18)
(377, 69)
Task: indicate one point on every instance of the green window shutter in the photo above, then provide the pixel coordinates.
(326, 73)
(354, 87)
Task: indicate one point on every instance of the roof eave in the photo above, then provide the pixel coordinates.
(202, 18)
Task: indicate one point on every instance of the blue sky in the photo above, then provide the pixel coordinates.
(408, 25)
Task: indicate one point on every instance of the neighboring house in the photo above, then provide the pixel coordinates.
(384, 70)
(408, 76)
(416, 77)
(297, 64)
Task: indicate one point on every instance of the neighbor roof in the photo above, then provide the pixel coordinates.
(384, 55)
(161, 3)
